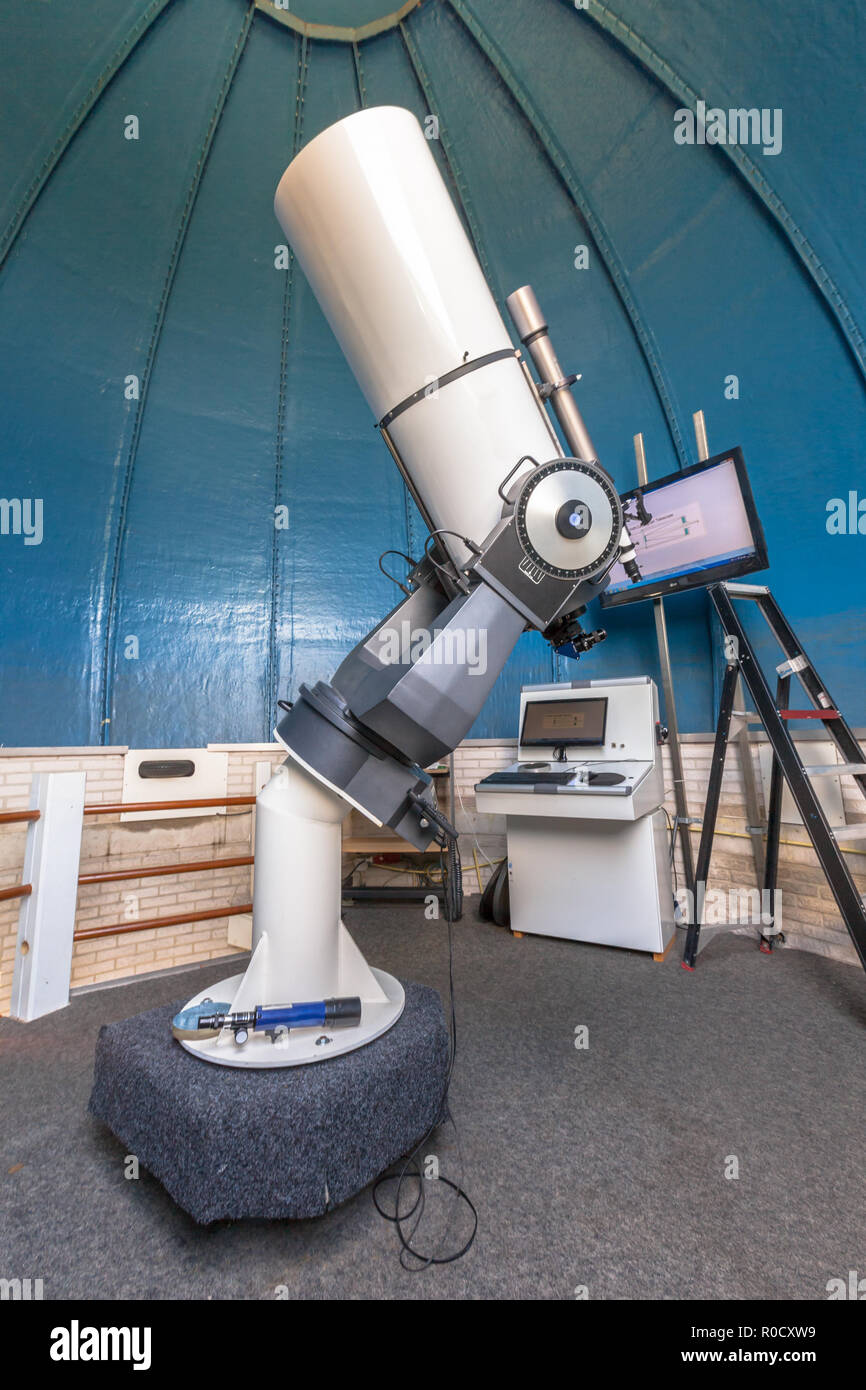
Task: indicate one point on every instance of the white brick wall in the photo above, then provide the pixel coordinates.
(108, 845)
(810, 922)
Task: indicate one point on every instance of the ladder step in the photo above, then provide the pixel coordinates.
(766, 927)
(745, 590)
(836, 769)
(752, 718)
(823, 714)
(851, 832)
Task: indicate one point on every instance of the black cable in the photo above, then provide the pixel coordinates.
(451, 871)
(413, 564)
(411, 1169)
(452, 886)
(672, 826)
(456, 577)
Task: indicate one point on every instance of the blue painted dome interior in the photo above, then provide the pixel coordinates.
(168, 384)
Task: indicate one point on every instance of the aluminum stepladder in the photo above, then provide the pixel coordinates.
(774, 715)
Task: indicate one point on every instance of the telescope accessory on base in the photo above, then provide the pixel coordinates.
(207, 1019)
(275, 1043)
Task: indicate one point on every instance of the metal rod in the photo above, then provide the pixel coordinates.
(679, 778)
(384, 893)
(161, 870)
(533, 386)
(750, 786)
(700, 425)
(114, 809)
(405, 475)
(711, 811)
(124, 928)
(532, 329)
(12, 817)
(640, 460)
(774, 815)
(452, 812)
(743, 741)
(21, 890)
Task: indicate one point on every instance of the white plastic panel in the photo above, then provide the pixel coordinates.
(210, 779)
(43, 955)
(604, 883)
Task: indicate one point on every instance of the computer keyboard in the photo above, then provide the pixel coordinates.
(557, 779)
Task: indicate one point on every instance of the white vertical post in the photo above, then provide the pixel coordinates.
(43, 958)
(240, 929)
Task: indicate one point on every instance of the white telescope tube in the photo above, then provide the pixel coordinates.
(368, 216)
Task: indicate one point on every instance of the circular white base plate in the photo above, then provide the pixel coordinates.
(301, 1045)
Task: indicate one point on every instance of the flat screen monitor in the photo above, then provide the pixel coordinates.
(704, 528)
(569, 723)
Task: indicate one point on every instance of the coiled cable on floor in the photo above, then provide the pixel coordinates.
(412, 1259)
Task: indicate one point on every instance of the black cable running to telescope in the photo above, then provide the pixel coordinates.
(413, 564)
(452, 883)
(456, 577)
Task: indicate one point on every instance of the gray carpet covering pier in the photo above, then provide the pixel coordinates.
(288, 1142)
(600, 1168)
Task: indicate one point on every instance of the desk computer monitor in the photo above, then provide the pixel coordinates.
(704, 528)
(577, 723)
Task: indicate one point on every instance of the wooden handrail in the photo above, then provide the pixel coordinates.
(113, 809)
(166, 870)
(123, 928)
(18, 890)
(21, 890)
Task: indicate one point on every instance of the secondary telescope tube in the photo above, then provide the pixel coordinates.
(532, 330)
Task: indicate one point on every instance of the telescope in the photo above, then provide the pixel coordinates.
(522, 535)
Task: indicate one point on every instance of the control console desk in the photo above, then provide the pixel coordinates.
(588, 839)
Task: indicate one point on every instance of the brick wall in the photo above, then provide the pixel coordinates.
(109, 845)
(810, 918)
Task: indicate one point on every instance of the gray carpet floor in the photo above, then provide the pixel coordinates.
(599, 1168)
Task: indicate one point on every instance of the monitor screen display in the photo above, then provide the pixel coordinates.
(570, 723)
(704, 528)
